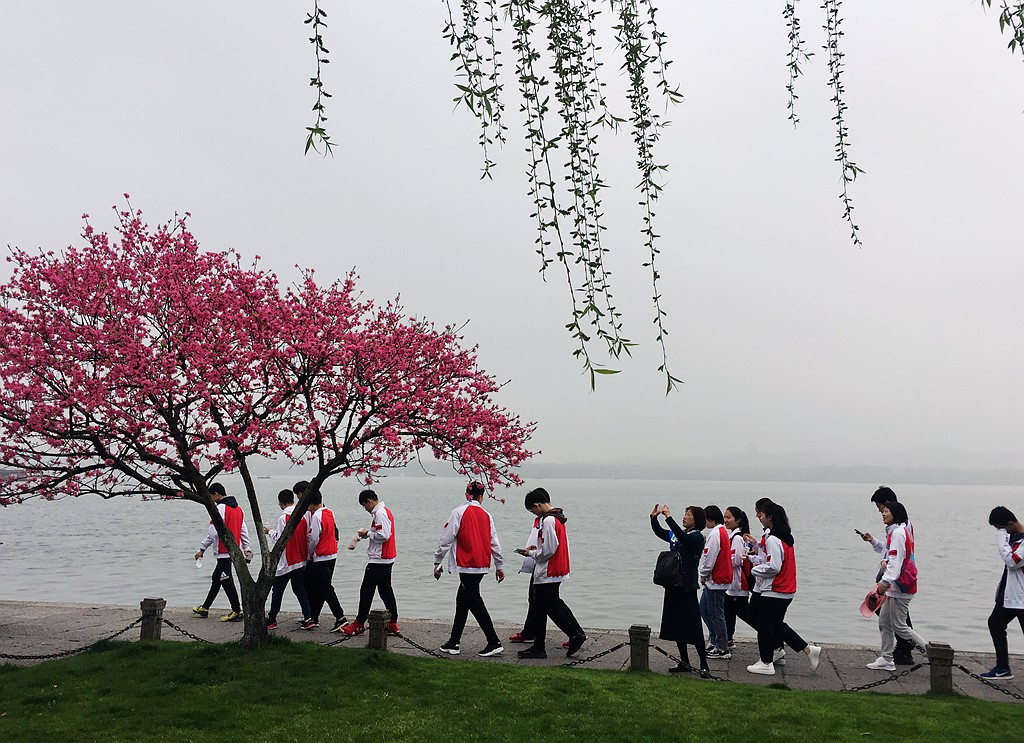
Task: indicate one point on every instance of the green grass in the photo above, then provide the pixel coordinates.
(169, 691)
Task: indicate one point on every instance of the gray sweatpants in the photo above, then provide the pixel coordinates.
(892, 621)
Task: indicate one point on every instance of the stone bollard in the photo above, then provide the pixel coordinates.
(378, 622)
(941, 658)
(152, 618)
(639, 647)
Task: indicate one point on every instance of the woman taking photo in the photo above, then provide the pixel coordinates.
(775, 574)
(898, 583)
(680, 614)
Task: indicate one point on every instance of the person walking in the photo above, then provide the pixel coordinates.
(291, 565)
(1009, 592)
(774, 569)
(680, 611)
(548, 545)
(715, 570)
(737, 596)
(902, 655)
(899, 585)
(323, 557)
(381, 551)
(234, 520)
(471, 542)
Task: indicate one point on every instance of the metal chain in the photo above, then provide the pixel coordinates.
(581, 661)
(416, 645)
(998, 688)
(886, 680)
(185, 632)
(343, 638)
(703, 674)
(66, 653)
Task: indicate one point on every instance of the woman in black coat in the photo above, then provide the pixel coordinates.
(680, 614)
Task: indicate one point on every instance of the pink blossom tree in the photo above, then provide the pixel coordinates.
(144, 365)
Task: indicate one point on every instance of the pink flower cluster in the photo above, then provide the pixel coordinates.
(142, 363)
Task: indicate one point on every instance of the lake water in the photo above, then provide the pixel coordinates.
(119, 551)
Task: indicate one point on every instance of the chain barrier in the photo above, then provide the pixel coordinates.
(702, 674)
(185, 632)
(67, 653)
(887, 679)
(986, 682)
(581, 661)
(343, 638)
(416, 645)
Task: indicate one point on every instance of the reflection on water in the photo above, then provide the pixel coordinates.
(89, 550)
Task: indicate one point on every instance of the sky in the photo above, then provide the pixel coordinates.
(790, 340)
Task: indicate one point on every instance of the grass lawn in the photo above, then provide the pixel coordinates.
(171, 691)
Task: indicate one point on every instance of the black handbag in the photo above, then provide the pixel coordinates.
(667, 571)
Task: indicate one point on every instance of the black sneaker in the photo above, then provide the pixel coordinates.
(338, 623)
(452, 648)
(575, 643)
(533, 652)
(903, 660)
(493, 648)
(680, 668)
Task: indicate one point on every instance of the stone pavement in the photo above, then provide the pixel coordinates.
(36, 629)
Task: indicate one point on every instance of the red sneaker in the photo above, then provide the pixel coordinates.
(519, 637)
(393, 628)
(565, 644)
(354, 628)
(271, 625)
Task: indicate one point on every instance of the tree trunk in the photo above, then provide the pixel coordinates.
(254, 601)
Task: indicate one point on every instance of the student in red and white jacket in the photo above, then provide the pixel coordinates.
(715, 571)
(548, 545)
(775, 574)
(323, 556)
(470, 541)
(234, 520)
(737, 596)
(898, 585)
(1010, 591)
(381, 551)
(292, 563)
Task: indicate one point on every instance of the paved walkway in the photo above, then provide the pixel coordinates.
(34, 629)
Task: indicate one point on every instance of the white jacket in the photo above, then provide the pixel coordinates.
(739, 554)
(1013, 559)
(712, 549)
(898, 553)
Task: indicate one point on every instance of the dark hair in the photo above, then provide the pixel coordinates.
(317, 499)
(898, 511)
(475, 489)
(285, 496)
(741, 518)
(699, 517)
(780, 522)
(218, 489)
(884, 495)
(713, 513)
(366, 496)
(760, 503)
(1001, 516)
(300, 487)
(535, 496)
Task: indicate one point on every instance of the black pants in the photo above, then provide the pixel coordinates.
(222, 577)
(320, 589)
(737, 606)
(468, 600)
(998, 621)
(772, 630)
(377, 579)
(544, 596)
(297, 579)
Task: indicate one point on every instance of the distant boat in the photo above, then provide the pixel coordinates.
(263, 477)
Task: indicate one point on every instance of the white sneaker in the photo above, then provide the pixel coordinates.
(762, 668)
(881, 664)
(779, 656)
(814, 653)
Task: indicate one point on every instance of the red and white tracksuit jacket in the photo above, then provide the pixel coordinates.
(234, 520)
(470, 540)
(296, 552)
(775, 568)
(715, 566)
(899, 545)
(741, 578)
(381, 547)
(1013, 559)
(552, 553)
(323, 537)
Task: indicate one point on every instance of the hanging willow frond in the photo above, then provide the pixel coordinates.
(797, 55)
